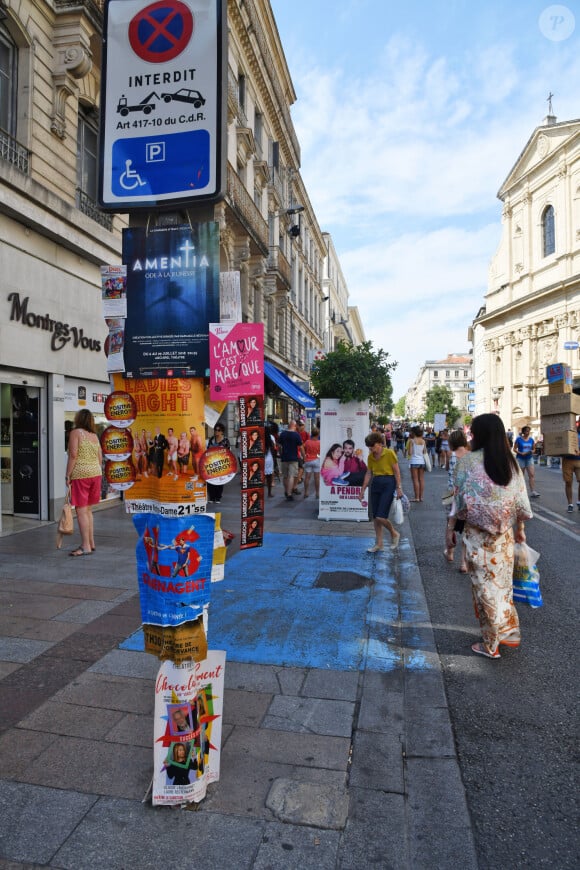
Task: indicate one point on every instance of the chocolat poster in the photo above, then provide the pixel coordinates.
(187, 729)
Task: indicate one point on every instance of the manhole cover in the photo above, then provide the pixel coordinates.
(341, 581)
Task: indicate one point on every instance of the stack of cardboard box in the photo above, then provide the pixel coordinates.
(558, 411)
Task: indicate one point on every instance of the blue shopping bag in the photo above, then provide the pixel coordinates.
(526, 576)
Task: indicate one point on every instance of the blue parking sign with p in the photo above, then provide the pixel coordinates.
(152, 166)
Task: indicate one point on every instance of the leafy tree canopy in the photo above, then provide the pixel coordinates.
(439, 400)
(353, 374)
(400, 407)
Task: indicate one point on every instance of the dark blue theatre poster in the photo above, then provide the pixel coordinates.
(172, 297)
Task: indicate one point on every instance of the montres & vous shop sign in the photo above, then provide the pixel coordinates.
(61, 333)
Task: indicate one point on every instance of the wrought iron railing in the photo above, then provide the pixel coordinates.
(278, 261)
(13, 152)
(234, 100)
(88, 206)
(246, 208)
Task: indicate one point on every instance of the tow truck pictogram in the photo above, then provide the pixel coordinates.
(144, 106)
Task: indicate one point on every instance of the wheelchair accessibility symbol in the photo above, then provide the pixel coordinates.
(130, 178)
(148, 167)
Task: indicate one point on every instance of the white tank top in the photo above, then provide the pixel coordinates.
(416, 457)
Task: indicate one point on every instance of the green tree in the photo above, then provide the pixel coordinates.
(439, 400)
(385, 406)
(399, 408)
(353, 374)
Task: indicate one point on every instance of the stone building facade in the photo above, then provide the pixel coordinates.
(54, 238)
(532, 306)
(454, 371)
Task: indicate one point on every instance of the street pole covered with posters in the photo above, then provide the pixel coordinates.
(162, 161)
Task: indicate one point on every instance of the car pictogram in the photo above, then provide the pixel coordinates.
(185, 95)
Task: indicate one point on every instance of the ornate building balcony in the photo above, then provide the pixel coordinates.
(247, 213)
(279, 268)
(88, 206)
(13, 152)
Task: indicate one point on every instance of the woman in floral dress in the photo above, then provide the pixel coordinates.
(491, 497)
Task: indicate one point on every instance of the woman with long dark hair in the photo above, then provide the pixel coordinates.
(491, 497)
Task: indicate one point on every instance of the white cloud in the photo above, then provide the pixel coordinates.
(418, 294)
(402, 165)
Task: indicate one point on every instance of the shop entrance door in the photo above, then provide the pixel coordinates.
(20, 450)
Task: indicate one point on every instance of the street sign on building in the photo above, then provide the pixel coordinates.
(571, 345)
(162, 103)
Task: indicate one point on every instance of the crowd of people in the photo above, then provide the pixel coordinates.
(486, 499)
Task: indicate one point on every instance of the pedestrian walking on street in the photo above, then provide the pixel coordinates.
(312, 463)
(384, 475)
(415, 449)
(84, 470)
(571, 467)
(291, 450)
(491, 497)
(444, 451)
(459, 447)
(524, 450)
(269, 458)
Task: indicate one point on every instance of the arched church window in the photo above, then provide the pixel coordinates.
(548, 234)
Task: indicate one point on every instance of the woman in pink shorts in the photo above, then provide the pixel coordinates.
(83, 475)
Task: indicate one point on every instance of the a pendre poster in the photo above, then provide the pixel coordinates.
(343, 455)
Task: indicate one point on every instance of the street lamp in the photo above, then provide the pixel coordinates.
(294, 230)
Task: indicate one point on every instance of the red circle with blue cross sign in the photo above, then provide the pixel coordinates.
(160, 32)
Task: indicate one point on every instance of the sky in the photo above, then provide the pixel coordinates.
(410, 116)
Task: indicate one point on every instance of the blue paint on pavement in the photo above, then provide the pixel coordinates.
(274, 607)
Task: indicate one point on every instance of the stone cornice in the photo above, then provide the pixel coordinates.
(258, 56)
(552, 289)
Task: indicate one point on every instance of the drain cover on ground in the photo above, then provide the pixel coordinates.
(341, 581)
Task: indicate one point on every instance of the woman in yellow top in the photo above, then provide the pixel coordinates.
(83, 475)
(383, 469)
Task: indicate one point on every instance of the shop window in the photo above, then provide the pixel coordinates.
(548, 233)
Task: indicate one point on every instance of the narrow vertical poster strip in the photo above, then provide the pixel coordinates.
(252, 435)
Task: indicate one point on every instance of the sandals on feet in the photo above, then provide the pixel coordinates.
(80, 552)
(480, 650)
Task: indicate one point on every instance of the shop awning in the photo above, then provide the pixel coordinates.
(289, 387)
